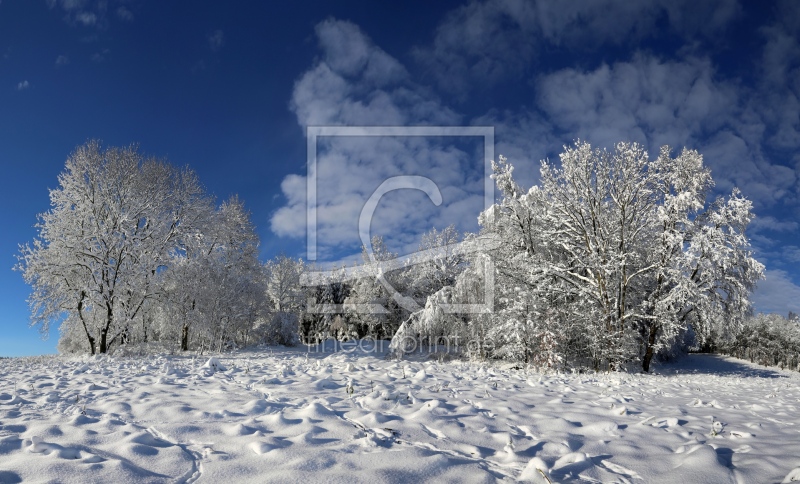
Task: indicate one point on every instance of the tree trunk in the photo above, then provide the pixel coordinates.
(185, 338)
(83, 321)
(103, 340)
(104, 331)
(648, 354)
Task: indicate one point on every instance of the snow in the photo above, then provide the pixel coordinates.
(286, 415)
(214, 365)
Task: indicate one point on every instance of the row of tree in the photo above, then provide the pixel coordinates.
(612, 259)
(133, 250)
(766, 339)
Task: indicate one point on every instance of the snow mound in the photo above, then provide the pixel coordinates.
(214, 365)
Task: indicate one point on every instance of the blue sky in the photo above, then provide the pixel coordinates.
(228, 88)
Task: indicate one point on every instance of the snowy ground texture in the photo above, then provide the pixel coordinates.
(282, 416)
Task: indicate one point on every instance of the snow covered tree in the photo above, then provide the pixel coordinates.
(766, 339)
(630, 242)
(133, 250)
(215, 282)
(235, 298)
(113, 222)
(324, 307)
(612, 259)
(438, 323)
(286, 299)
(436, 264)
(371, 306)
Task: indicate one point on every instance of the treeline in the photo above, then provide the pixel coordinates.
(374, 297)
(766, 339)
(134, 251)
(613, 260)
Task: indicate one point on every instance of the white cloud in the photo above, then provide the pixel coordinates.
(675, 103)
(86, 18)
(768, 222)
(777, 294)
(124, 14)
(525, 139)
(679, 103)
(216, 40)
(356, 83)
(87, 13)
(100, 56)
(780, 82)
(644, 100)
(21, 86)
(485, 42)
(791, 253)
(679, 100)
(62, 60)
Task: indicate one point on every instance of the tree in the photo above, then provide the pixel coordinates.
(325, 298)
(634, 245)
(114, 220)
(286, 299)
(437, 263)
(614, 258)
(767, 339)
(371, 306)
(215, 282)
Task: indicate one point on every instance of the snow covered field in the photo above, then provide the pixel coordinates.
(284, 416)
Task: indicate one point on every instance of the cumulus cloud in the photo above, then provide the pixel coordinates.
(768, 222)
(525, 138)
(349, 170)
(644, 100)
(747, 133)
(355, 83)
(216, 40)
(62, 60)
(21, 86)
(777, 293)
(485, 42)
(780, 81)
(675, 103)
